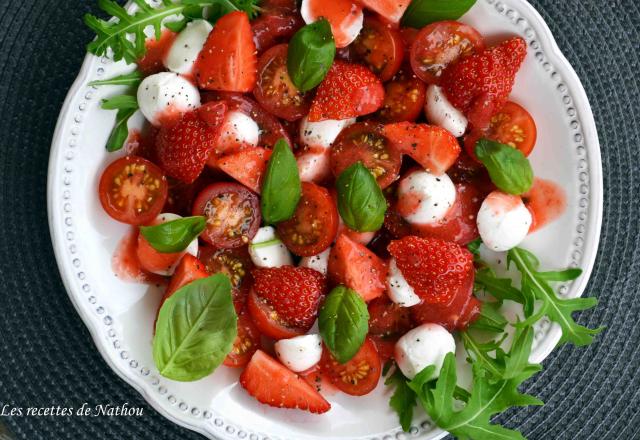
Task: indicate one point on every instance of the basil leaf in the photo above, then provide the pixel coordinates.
(361, 203)
(173, 236)
(281, 187)
(422, 12)
(128, 79)
(120, 132)
(343, 323)
(311, 54)
(508, 168)
(195, 330)
(120, 102)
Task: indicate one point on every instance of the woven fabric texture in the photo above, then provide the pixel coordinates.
(48, 357)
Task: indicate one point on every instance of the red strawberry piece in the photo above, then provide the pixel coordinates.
(247, 166)
(294, 293)
(348, 90)
(480, 84)
(436, 269)
(183, 147)
(273, 384)
(387, 318)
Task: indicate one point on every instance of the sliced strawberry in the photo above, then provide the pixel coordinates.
(184, 147)
(348, 90)
(436, 269)
(355, 266)
(480, 84)
(228, 60)
(434, 148)
(390, 10)
(247, 166)
(273, 384)
(293, 293)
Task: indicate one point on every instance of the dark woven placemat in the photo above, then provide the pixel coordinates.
(48, 358)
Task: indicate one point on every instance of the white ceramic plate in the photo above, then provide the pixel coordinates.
(120, 315)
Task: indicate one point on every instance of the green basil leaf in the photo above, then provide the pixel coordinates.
(311, 54)
(361, 203)
(120, 102)
(281, 187)
(343, 323)
(195, 330)
(508, 168)
(422, 12)
(173, 236)
(128, 79)
(120, 132)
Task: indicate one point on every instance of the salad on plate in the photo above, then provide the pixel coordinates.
(317, 186)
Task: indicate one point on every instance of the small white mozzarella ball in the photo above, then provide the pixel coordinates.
(425, 198)
(266, 249)
(364, 238)
(300, 353)
(345, 29)
(314, 164)
(318, 262)
(399, 290)
(323, 133)
(238, 129)
(441, 112)
(165, 93)
(187, 46)
(503, 221)
(191, 249)
(426, 345)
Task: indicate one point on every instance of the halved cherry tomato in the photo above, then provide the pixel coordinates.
(440, 44)
(364, 142)
(267, 321)
(133, 190)
(387, 318)
(357, 377)
(408, 36)
(232, 212)
(246, 343)
(274, 89)
(235, 264)
(314, 225)
(277, 23)
(379, 47)
(512, 125)
(404, 98)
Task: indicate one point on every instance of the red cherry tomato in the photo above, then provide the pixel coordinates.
(404, 98)
(235, 264)
(512, 125)
(276, 24)
(267, 320)
(364, 142)
(232, 212)
(314, 225)
(387, 318)
(386, 346)
(379, 47)
(357, 377)
(246, 343)
(440, 44)
(274, 89)
(133, 190)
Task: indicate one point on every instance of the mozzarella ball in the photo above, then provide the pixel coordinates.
(503, 221)
(318, 262)
(187, 46)
(266, 249)
(399, 290)
(424, 198)
(299, 353)
(426, 345)
(191, 249)
(164, 94)
(346, 19)
(238, 130)
(323, 133)
(441, 112)
(314, 164)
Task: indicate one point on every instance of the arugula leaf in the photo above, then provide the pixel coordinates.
(128, 79)
(120, 102)
(120, 132)
(173, 236)
(403, 400)
(500, 288)
(422, 12)
(490, 318)
(508, 168)
(361, 203)
(535, 287)
(310, 56)
(281, 187)
(343, 323)
(115, 34)
(195, 330)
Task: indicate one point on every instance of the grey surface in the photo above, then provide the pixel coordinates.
(48, 357)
